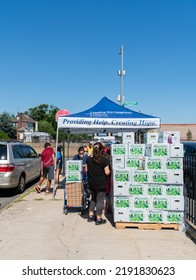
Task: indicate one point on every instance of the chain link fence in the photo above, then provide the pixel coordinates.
(190, 191)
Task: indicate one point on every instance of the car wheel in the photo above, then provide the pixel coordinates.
(21, 184)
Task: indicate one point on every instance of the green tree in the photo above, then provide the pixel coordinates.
(3, 135)
(38, 113)
(46, 126)
(6, 125)
(45, 115)
(51, 116)
(189, 135)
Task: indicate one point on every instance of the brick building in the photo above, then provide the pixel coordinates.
(27, 129)
(23, 123)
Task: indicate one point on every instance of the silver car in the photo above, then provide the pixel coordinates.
(19, 164)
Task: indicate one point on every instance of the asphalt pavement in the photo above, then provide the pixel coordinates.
(34, 227)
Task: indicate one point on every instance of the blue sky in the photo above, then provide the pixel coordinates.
(65, 53)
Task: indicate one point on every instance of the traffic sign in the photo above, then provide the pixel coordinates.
(61, 113)
(132, 103)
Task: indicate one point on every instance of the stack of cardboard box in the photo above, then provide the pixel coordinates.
(73, 187)
(73, 170)
(147, 179)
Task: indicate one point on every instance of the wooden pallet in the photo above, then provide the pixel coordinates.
(154, 226)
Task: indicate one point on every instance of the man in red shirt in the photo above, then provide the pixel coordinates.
(47, 167)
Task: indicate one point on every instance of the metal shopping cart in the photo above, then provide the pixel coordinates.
(75, 197)
(75, 191)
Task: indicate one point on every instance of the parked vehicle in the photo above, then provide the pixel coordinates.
(19, 164)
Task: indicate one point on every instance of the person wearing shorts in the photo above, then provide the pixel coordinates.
(47, 167)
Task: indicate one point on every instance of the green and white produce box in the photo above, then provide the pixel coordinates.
(128, 189)
(140, 176)
(141, 202)
(120, 188)
(136, 149)
(121, 175)
(174, 190)
(122, 205)
(173, 164)
(151, 137)
(74, 165)
(121, 215)
(177, 203)
(175, 177)
(73, 176)
(137, 216)
(123, 202)
(162, 203)
(134, 162)
(153, 163)
(128, 137)
(118, 161)
(155, 190)
(176, 217)
(119, 149)
(155, 216)
(137, 189)
(157, 150)
(161, 177)
(176, 150)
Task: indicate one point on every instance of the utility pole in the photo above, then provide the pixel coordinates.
(121, 73)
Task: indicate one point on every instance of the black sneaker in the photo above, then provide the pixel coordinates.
(91, 219)
(100, 222)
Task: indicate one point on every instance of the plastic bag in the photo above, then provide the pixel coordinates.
(87, 187)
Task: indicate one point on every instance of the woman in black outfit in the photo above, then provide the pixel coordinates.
(97, 167)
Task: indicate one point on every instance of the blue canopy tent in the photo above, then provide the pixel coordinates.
(107, 117)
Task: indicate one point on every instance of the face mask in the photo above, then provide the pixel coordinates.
(81, 156)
